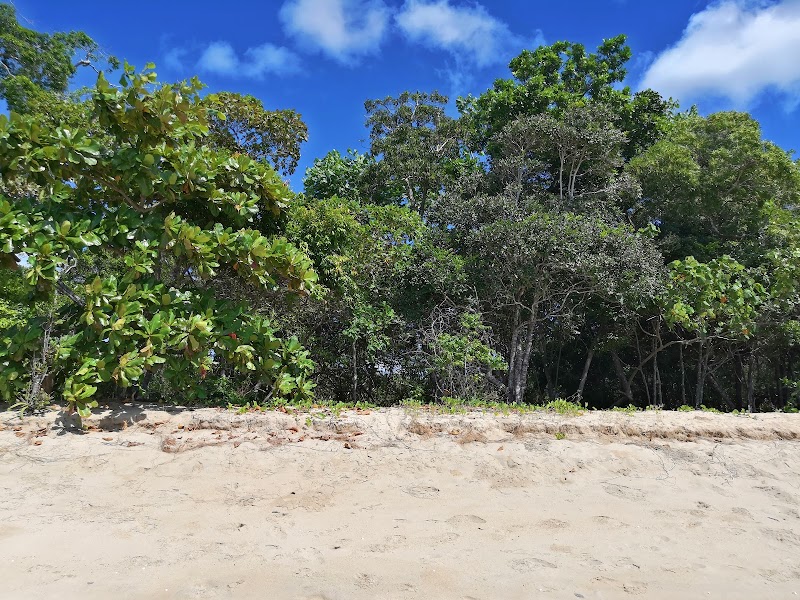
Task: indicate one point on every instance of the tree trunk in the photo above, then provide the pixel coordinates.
(683, 376)
(640, 370)
(586, 365)
(548, 380)
(558, 371)
(739, 377)
(702, 374)
(623, 380)
(518, 372)
(522, 379)
(720, 390)
(354, 389)
(779, 383)
(752, 365)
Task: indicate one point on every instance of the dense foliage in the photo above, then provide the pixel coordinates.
(561, 237)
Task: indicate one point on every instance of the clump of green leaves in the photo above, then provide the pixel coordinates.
(152, 194)
(563, 407)
(460, 356)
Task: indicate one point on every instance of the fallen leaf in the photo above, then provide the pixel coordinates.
(500, 448)
(108, 439)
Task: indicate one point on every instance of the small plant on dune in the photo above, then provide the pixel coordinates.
(686, 408)
(245, 408)
(453, 405)
(629, 410)
(560, 435)
(413, 403)
(709, 409)
(563, 407)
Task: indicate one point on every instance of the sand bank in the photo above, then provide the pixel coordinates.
(400, 504)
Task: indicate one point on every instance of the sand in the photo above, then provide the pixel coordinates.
(399, 504)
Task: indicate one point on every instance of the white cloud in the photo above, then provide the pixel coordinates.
(466, 31)
(174, 58)
(343, 29)
(733, 49)
(220, 58)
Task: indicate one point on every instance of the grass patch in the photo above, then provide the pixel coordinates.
(563, 407)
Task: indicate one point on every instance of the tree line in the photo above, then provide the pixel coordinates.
(561, 237)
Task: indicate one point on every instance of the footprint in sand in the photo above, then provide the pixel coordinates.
(784, 536)
(622, 491)
(391, 543)
(464, 520)
(525, 565)
(777, 493)
(422, 491)
(636, 589)
(553, 524)
(611, 521)
(365, 581)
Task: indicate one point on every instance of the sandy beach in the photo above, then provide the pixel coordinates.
(397, 503)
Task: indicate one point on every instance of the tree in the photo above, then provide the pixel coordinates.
(31, 59)
(417, 143)
(538, 241)
(715, 302)
(124, 199)
(240, 124)
(551, 78)
(570, 163)
(542, 270)
(365, 254)
(709, 184)
(350, 177)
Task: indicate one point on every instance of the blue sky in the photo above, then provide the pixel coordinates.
(323, 58)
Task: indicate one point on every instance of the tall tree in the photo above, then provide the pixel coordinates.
(417, 143)
(242, 125)
(552, 78)
(709, 185)
(539, 238)
(33, 63)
